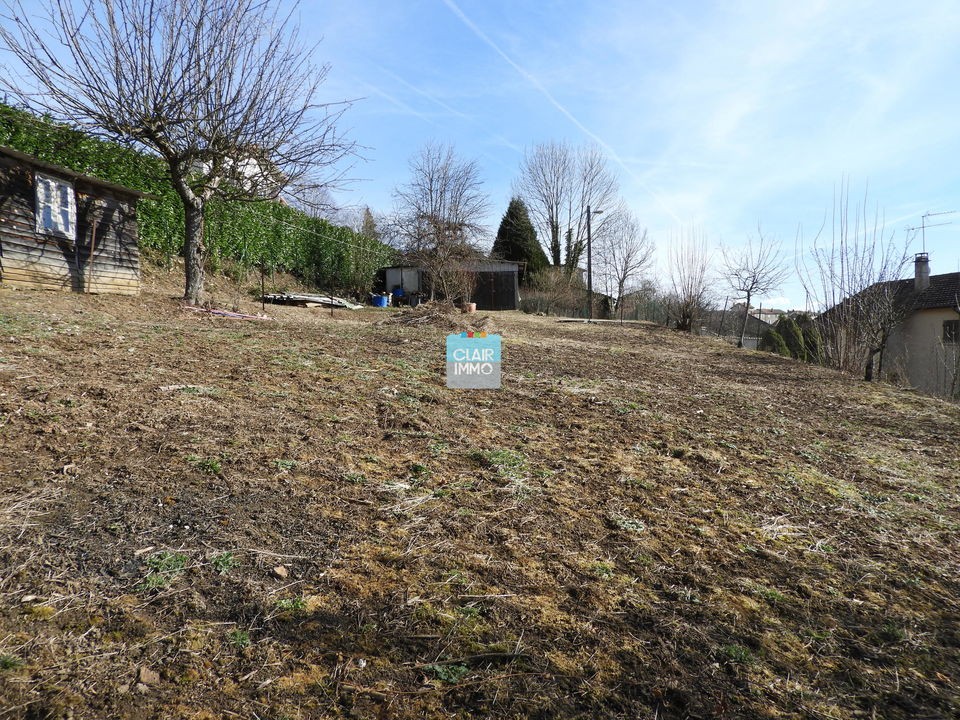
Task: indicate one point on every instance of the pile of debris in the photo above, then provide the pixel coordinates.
(311, 301)
(440, 314)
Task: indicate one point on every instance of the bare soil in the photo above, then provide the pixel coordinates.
(204, 517)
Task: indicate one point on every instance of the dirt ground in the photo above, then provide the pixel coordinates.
(294, 518)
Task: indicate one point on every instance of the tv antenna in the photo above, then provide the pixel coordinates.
(924, 225)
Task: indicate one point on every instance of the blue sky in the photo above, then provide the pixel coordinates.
(716, 116)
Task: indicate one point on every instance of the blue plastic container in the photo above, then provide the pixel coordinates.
(380, 300)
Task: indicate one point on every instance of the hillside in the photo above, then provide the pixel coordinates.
(294, 518)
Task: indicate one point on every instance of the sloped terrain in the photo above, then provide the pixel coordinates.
(204, 517)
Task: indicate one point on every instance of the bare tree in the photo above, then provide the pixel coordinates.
(624, 250)
(851, 277)
(546, 174)
(223, 91)
(756, 269)
(439, 215)
(689, 281)
(557, 183)
(594, 185)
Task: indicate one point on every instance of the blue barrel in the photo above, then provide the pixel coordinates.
(380, 300)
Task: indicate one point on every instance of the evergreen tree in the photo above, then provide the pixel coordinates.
(793, 337)
(368, 228)
(772, 341)
(812, 339)
(517, 240)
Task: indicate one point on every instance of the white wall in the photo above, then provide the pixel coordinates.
(916, 354)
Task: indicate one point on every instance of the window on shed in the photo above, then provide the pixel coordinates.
(951, 331)
(56, 207)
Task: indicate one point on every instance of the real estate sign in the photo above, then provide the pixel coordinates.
(473, 361)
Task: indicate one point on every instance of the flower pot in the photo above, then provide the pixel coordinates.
(469, 307)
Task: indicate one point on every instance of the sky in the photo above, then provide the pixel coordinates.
(718, 117)
(722, 119)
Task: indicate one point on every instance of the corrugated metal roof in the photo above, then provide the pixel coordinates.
(66, 172)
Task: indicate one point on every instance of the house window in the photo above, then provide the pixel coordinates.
(951, 331)
(56, 207)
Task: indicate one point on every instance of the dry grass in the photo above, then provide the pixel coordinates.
(204, 518)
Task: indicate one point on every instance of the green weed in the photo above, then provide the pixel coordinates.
(291, 605)
(628, 524)
(10, 662)
(211, 466)
(451, 674)
(737, 654)
(240, 639)
(224, 562)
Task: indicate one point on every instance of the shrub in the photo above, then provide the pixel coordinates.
(772, 341)
(793, 337)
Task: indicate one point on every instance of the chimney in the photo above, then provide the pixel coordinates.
(921, 272)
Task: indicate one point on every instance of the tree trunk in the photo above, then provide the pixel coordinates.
(555, 244)
(194, 250)
(746, 318)
(868, 369)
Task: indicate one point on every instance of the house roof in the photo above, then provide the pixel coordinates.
(66, 172)
(943, 291)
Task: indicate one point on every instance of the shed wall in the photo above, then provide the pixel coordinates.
(104, 259)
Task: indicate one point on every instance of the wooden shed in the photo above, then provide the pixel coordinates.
(62, 230)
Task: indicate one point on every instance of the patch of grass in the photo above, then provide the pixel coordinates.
(211, 466)
(167, 562)
(224, 562)
(508, 463)
(602, 569)
(41, 612)
(769, 594)
(291, 605)
(450, 674)
(154, 581)
(10, 662)
(163, 566)
(282, 464)
(470, 612)
(737, 654)
(240, 639)
(628, 524)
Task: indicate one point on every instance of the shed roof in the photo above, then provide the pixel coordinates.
(66, 172)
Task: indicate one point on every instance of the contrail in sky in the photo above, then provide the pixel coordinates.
(455, 9)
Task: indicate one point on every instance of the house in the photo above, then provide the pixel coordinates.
(924, 348)
(62, 230)
(495, 282)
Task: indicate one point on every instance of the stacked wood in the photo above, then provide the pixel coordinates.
(311, 301)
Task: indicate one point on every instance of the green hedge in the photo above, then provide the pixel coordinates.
(249, 234)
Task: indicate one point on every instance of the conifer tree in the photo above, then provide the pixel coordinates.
(517, 240)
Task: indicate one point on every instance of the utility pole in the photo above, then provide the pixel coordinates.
(590, 266)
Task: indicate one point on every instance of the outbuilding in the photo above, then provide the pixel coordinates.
(495, 283)
(62, 230)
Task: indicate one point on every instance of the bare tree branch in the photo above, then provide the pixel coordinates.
(223, 90)
(851, 278)
(756, 269)
(624, 250)
(690, 293)
(557, 183)
(439, 214)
